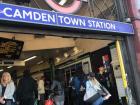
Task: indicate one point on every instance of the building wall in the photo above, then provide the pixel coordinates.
(134, 14)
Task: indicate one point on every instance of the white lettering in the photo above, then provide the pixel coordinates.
(82, 22)
(91, 23)
(74, 21)
(67, 20)
(51, 18)
(61, 19)
(113, 26)
(27, 14)
(36, 16)
(97, 25)
(17, 14)
(44, 16)
(5, 10)
(108, 26)
(101, 24)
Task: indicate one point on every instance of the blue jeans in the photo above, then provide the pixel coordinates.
(99, 101)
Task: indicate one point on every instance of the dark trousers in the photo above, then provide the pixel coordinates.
(42, 98)
(77, 98)
(8, 102)
(27, 102)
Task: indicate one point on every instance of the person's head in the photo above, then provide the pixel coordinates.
(6, 78)
(42, 78)
(26, 72)
(59, 75)
(91, 75)
(101, 70)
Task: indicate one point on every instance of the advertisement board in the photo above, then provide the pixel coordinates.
(10, 49)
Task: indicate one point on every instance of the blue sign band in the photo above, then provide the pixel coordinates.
(23, 14)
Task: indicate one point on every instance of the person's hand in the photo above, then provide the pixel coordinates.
(107, 97)
(17, 102)
(2, 101)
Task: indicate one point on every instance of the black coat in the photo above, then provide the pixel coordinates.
(27, 88)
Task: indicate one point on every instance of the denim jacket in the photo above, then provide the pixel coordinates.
(9, 91)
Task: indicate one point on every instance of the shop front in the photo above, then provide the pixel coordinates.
(26, 20)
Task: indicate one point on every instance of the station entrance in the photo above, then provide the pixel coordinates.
(75, 55)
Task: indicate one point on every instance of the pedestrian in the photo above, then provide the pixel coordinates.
(76, 83)
(27, 89)
(41, 90)
(7, 89)
(98, 92)
(58, 87)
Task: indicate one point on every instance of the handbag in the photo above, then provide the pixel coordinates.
(49, 102)
(91, 94)
(104, 92)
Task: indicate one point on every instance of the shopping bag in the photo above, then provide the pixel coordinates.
(91, 94)
(49, 102)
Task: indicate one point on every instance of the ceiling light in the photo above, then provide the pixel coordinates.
(1, 70)
(75, 49)
(57, 59)
(30, 58)
(66, 55)
(40, 62)
(9, 67)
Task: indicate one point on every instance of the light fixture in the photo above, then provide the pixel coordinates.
(33, 57)
(40, 62)
(57, 59)
(9, 67)
(66, 55)
(75, 49)
(1, 70)
(62, 2)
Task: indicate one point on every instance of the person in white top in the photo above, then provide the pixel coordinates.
(41, 90)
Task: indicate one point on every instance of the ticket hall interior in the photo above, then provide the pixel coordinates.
(44, 54)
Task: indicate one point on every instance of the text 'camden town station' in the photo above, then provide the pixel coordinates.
(38, 16)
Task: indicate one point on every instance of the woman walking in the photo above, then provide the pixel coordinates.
(100, 92)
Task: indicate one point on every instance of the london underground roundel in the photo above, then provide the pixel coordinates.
(71, 8)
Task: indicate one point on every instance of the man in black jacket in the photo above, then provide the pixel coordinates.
(27, 89)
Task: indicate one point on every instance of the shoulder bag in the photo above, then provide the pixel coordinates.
(91, 94)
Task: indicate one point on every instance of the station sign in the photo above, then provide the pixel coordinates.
(21, 14)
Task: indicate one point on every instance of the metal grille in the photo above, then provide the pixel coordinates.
(105, 9)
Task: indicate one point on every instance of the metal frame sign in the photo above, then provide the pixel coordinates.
(9, 12)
